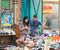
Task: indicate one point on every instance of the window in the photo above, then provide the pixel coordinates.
(50, 14)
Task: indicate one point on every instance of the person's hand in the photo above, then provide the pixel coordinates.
(37, 30)
(26, 27)
(42, 27)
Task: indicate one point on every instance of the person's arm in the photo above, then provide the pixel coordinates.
(21, 27)
(37, 30)
(41, 25)
(38, 23)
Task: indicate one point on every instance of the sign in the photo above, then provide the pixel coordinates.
(47, 9)
(6, 18)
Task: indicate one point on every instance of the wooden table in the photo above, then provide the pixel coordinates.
(6, 40)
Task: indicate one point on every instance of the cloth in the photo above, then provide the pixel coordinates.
(47, 44)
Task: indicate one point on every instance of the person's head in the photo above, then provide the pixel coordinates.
(26, 20)
(35, 17)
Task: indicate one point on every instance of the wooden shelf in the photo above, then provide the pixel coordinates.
(51, 2)
(7, 40)
(51, 29)
(51, 13)
(7, 35)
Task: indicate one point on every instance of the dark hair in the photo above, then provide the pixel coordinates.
(25, 22)
(35, 16)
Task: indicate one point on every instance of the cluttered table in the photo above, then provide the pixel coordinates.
(7, 38)
(43, 42)
(36, 43)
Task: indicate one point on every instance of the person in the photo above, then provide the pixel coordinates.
(34, 24)
(23, 27)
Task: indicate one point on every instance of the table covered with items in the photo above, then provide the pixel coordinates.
(45, 41)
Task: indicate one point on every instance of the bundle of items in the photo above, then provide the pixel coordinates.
(10, 47)
(6, 31)
(46, 41)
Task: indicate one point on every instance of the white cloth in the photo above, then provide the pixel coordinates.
(47, 45)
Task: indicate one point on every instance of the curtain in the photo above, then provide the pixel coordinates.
(31, 7)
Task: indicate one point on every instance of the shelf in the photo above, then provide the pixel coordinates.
(52, 2)
(52, 29)
(6, 40)
(51, 13)
(7, 35)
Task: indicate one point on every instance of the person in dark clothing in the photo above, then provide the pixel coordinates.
(34, 24)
